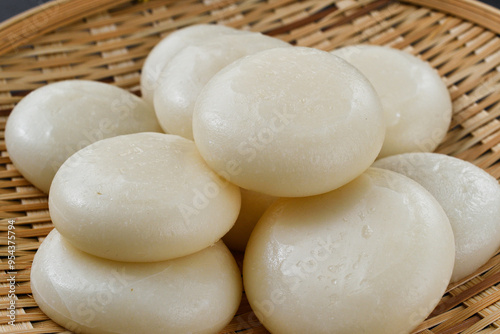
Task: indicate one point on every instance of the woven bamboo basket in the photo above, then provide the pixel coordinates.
(107, 40)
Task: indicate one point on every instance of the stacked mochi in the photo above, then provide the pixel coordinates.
(271, 148)
(134, 249)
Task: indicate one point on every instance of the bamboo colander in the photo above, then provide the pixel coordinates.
(107, 40)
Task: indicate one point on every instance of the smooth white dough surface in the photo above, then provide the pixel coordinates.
(142, 197)
(183, 78)
(253, 205)
(469, 196)
(416, 102)
(168, 47)
(54, 121)
(289, 122)
(199, 293)
(374, 256)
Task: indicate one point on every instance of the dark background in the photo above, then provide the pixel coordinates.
(10, 8)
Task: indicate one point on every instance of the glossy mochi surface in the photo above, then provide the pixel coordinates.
(289, 122)
(142, 197)
(416, 102)
(168, 48)
(183, 78)
(87, 294)
(469, 196)
(374, 256)
(54, 121)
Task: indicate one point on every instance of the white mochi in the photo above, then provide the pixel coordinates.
(253, 205)
(141, 198)
(183, 78)
(289, 122)
(416, 102)
(199, 293)
(168, 47)
(374, 256)
(54, 121)
(469, 196)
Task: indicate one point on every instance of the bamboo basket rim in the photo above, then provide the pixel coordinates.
(471, 10)
(470, 13)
